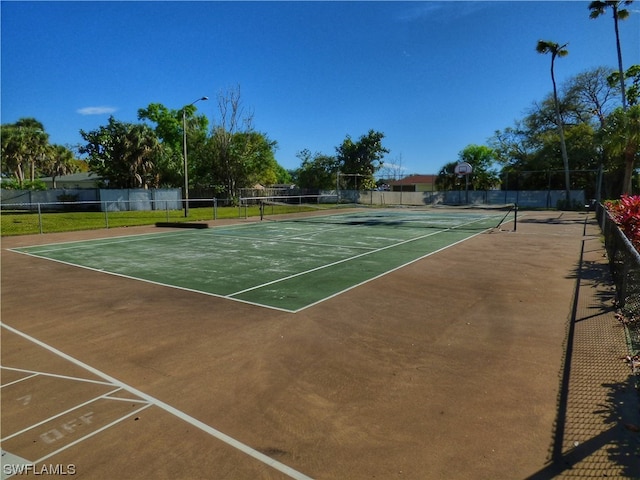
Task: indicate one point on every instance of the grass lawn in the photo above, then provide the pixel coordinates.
(26, 223)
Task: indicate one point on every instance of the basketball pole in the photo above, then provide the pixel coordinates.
(466, 189)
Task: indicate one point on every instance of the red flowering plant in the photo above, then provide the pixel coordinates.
(626, 213)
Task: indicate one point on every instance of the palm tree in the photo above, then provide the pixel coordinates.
(13, 152)
(36, 141)
(61, 162)
(24, 143)
(621, 138)
(598, 8)
(556, 50)
(141, 147)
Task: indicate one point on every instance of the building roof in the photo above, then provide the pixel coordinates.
(415, 179)
(74, 177)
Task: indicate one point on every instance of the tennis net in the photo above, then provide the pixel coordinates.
(283, 204)
(367, 216)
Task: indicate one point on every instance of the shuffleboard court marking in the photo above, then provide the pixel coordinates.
(60, 414)
(152, 401)
(92, 434)
(19, 380)
(49, 374)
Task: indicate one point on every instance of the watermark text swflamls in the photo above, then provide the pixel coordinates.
(43, 469)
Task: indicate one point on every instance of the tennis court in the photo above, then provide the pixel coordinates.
(287, 264)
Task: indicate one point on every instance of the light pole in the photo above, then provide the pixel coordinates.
(184, 148)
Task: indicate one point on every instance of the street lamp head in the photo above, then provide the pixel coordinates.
(204, 98)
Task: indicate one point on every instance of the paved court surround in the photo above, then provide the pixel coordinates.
(388, 380)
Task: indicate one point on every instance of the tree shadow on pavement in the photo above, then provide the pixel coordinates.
(557, 218)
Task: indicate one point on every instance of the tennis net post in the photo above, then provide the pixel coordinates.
(512, 208)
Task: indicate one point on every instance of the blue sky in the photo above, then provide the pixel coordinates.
(434, 77)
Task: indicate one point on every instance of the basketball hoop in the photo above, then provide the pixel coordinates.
(463, 168)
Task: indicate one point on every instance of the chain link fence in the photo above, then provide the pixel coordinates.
(624, 261)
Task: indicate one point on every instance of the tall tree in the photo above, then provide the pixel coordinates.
(37, 143)
(592, 95)
(633, 91)
(317, 171)
(13, 152)
(544, 47)
(360, 160)
(141, 145)
(283, 176)
(481, 158)
(124, 154)
(598, 8)
(512, 146)
(224, 161)
(24, 146)
(254, 159)
(621, 137)
(61, 162)
(630, 152)
(447, 179)
(169, 130)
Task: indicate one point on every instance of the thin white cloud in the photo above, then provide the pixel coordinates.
(448, 10)
(95, 110)
(419, 11)
(393, 166)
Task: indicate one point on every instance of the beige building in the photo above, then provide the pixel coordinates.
(414, 183)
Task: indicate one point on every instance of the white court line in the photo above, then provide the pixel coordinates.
(19, 380)
(55, 375)
(123, 399)
(348, 259)
(386, 273)
(153, 282)
(288, 239)
(116, 240)
(327, 265)
(57, 415)
(261, 457)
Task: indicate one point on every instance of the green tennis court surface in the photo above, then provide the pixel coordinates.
(287, 265)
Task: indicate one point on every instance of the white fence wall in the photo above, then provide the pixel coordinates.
(524, 198)
(94, 199)
(171, 199)
(140, 199)
(48, 196)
